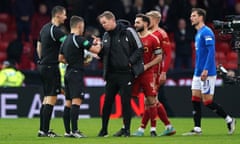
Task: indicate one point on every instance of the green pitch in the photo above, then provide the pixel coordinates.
(24, 131)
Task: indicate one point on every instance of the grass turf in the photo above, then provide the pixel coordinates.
(24, 131)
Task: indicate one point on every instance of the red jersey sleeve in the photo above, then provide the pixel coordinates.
(166, 47)
(167, 54)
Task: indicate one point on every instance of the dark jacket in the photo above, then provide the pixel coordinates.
(183, 42)
(121, 48)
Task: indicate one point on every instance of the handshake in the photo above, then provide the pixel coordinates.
(89, 55)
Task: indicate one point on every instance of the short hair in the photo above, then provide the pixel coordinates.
(75, 20)
(6, 63)
(107, 14)
(57, 9)
(144, 18)
(200, 12)
(155, 14)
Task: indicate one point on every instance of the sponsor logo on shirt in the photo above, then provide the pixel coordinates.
(208, 38)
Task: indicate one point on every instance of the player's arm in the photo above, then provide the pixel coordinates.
(39, 49)
(157, 59)
(167, 52)
(167, 56)
(93, 47)
(89, 53)
(62, 59)
(210, 57)
(209, 43)
(157, 52)
(207, 66)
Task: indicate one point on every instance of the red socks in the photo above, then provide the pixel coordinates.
(162, 114)
(152, 113)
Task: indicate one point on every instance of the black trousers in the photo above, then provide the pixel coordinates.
(118, 83)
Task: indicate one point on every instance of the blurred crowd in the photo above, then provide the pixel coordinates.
(28, 16)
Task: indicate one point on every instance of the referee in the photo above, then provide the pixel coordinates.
(48, 46)
(72, 53)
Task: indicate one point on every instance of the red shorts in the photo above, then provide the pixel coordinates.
(146, 83)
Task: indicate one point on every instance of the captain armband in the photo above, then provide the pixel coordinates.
(158, 51)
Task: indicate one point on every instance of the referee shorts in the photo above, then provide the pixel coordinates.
(50, 77)
(74, 86)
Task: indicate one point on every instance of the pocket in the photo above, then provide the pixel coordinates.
(138, 68)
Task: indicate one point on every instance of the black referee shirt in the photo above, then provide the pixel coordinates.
(50, 37)
(73, 50)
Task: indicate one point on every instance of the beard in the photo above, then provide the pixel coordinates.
(194, 24)
(140, 29)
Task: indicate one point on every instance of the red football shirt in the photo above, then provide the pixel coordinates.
(165, 44)
(150, 43)
(146, 80)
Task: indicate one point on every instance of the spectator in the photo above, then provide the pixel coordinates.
(5, 6)
(127, 6)
(186, 10)
(3, 27)
(163, 8)
(39, 19)
(94, 7)
(236, 9)
(14, 51)
(139, 6)
(174, 13)
(23, 10)
(76, 7)
(215, 9)
(10, 76)
(183, 38)
(52, 3)
(116, 7)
